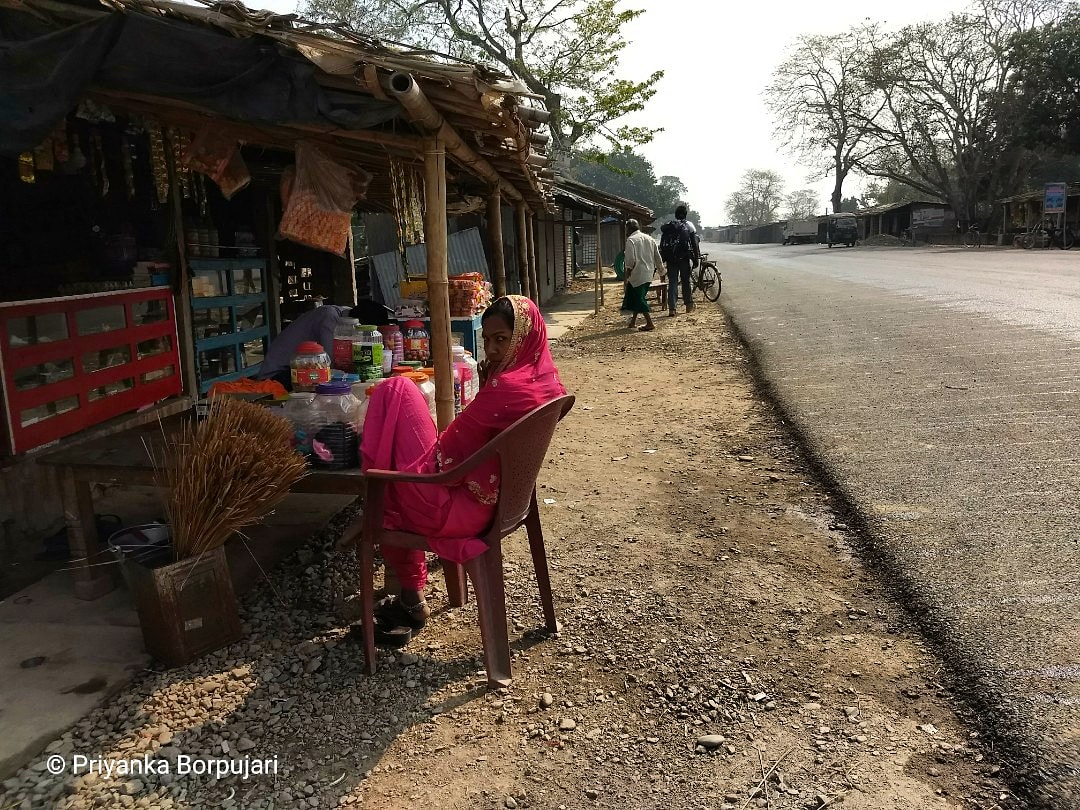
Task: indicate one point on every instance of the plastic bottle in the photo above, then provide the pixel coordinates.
(387, 354)
(394, 342)
(475, 374)
(463, 379)
(459, 394)
(344, 335)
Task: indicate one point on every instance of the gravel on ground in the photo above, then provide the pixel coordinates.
(722, 645)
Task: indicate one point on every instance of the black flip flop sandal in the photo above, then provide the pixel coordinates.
(387, 636)
(391, 610)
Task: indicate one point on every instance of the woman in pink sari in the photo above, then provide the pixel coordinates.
(517, 376)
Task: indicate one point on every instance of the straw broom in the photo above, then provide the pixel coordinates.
(226, 473)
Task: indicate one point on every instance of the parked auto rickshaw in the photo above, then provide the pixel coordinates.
(843, 230)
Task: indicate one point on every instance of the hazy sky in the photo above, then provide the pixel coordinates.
(718, 57)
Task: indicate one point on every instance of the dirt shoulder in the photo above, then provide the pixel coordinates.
(722, 647)
(706, 590)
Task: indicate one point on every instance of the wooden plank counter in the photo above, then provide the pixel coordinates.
(123, 458)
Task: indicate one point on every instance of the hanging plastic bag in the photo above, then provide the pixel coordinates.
(319, 198)
(217, 155)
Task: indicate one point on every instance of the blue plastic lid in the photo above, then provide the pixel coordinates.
(336, 375)
(333, 388)
(352, 378)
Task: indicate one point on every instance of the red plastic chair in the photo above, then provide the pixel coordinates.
(521, 449)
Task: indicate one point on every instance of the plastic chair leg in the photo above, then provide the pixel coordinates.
(539, 558)
(457, 586)
(487, 576)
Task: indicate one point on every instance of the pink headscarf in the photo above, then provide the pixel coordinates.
(525, 379)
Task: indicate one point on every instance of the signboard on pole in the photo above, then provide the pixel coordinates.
(1054, 198)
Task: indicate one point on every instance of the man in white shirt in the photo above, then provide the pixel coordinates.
(642, 261)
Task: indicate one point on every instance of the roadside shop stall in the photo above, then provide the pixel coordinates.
(174, 178)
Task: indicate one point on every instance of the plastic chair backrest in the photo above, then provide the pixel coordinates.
(521, 449)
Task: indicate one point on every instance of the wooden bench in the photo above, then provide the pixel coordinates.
(660, 287)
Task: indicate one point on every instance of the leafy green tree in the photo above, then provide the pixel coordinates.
(565, 51)
(1045, 85)
(758, 199)
(630, 175)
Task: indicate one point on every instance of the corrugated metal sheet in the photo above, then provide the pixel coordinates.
(465, 255)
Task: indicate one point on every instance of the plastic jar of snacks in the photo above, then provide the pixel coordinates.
(417, 342)
(310, 366)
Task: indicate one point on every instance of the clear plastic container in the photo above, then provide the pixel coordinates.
(300, 411)
(310, 367)
(417, 342)
(427, 388)
(344, 335)
(368, 352)
(337, 422)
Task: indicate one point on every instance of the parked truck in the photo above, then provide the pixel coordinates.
(800, 231)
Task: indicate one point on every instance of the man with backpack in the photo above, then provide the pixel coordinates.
(679, 250)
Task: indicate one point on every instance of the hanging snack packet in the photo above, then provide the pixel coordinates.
(217, 155)
(319, 199)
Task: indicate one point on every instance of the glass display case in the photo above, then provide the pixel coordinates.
(71, 363)
(229, 318)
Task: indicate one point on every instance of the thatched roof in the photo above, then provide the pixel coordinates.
(492, 125)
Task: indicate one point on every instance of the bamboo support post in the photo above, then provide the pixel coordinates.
(182, 283)
(521, 231)
(530, 241)
(437, 281)
(599, 261)
(495, 240)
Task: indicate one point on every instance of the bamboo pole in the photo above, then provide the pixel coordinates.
(438, 284)
(599, 260)
(530, 231)
(495, 240)
(521, 231)
(182, 285)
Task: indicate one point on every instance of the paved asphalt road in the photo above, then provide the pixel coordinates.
(940, 390)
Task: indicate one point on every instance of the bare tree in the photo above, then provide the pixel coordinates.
(565, 51)
(802, 204)
(819, 98)
(937, 128)
(758, 198)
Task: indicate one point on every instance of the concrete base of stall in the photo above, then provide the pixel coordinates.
(564, 312)
(61, 656)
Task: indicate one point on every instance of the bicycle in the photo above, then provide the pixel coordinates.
(908, 236)
(972, 237)
(1047, 235)
(705, 278)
